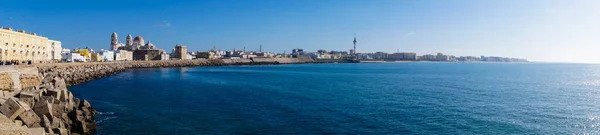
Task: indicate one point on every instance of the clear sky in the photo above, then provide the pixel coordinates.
(539, 30)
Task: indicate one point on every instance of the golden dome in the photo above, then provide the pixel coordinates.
(138, 38)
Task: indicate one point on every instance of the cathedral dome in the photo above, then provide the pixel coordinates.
(138, 38)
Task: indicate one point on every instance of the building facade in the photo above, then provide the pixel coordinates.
(96, 57)
(148, 54)
(180, 52)
(428, 57)
(22, 46)
(205, 55)
(107, 55)
(84, 52)
(442, 57)
(54, 50)
(409, 56)
(123, 55)
(69, 56)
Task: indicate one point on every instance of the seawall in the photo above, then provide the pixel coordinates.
(75, 73)
(36, 99)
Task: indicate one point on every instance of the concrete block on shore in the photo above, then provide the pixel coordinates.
(7, 94)
(57, 123)
(37, 131)
(61, 131)
(29, 101)
(9, 127)
(3, 99)
(79, 126)
(30, 119)
(12, 108)
(56, 93)
(24, 105)
(43, 108)
(84, 104)
(59, 83)
(12, 93)
(45, 122)
(63, 96)
(76, 102)
(58, 109)
(34, 93)
(18, 122)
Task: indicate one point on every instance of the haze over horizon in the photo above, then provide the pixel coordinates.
(538, 30)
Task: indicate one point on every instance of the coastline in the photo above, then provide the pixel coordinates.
(41, 90)
(41, 103)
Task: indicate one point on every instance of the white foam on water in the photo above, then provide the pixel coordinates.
(105, 119)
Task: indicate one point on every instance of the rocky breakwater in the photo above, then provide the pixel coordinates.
(76, 73)
(42, 105)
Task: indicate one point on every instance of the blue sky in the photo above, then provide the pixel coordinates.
(540, 30)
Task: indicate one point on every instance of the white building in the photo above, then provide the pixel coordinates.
(107, 55)
(317, 55)
(68, 56)
(64, 53)
(248, 56)
(189, 56)
(164, 56)
(442, 57)
(54, 50)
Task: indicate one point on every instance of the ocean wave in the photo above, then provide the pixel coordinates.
(106, 113)
(105, 119)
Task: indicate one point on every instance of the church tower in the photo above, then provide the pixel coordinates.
(114, 41)
(129, 41)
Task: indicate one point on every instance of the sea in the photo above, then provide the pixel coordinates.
(350, 98)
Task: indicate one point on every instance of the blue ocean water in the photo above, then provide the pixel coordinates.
(365, 98)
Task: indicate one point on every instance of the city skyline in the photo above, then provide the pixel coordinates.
(538, 30)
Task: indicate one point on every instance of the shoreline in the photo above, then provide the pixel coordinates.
(40, 101)
(41, 88)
